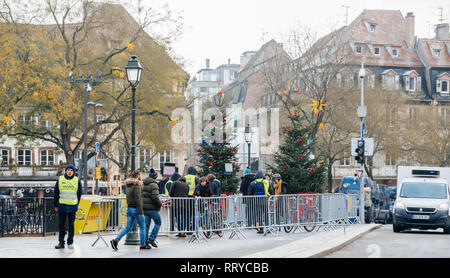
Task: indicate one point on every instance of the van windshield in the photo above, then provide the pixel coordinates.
(424, 190)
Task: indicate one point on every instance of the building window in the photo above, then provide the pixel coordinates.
(436, 53)
(24, 157)
(359, 49)
(412, 84)
(4, 156)
(345, 160)
(144, 158)
(390, 160)
(47, 157)
(203, 89)
(377, 51)
(395, 52)
(444, 87)
(25, 120)
(372, 27)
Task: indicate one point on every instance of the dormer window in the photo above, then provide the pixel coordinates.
(372, 27)
(359, 49)
(395, 52)
(377, 51)
(436, 53)
(443, 83)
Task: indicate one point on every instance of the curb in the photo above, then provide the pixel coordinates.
(342, 245)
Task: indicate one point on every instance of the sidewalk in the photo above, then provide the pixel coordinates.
(294, 245)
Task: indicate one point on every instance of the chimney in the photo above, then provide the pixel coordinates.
(229, 61)
(207, 63)
(442, 31)
(410, 30)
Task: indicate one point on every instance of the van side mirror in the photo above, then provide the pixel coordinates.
(393, 195)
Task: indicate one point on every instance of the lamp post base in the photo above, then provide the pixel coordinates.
(132, 237)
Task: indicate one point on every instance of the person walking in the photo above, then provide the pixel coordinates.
(67, 196)
(152, 204)
(193, 182)
(135, 211)
(180, 206)
(247, 179)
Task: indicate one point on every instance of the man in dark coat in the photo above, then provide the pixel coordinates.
(152, 204)
(63, 204)
(179, 206)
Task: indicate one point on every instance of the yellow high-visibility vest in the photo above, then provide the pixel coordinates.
(165, 187)
(266, 186)
(68, 190)
(190, 180)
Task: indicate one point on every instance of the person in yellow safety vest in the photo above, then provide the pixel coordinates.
(169, 184)
(260, 186)
(67, 195)
(192, 180)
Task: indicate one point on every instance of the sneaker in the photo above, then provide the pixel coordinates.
(114, 244)
(152, 243)
(145, 247)
(59, 246)
(70, 246)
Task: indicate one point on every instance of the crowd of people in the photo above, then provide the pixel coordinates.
(144, 203)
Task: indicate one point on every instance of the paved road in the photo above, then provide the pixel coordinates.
(384, 243)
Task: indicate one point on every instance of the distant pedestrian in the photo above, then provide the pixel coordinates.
(246, 181)
(135, 211)
(279, 185)
(67, 195)
(260, 187)
(162, 185)
(180, 206)
(152, 204)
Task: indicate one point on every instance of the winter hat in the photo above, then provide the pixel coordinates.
(175, 177)
(153, 174)
(247, 171)
(70, 166)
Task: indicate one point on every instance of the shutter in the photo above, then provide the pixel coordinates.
(438, 86)
(372, 80)
(383, 81)
(419, 83)
(338, 79)
(397, 82)
(406, 82)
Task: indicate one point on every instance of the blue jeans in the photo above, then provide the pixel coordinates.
(149, 215)
(132, 216)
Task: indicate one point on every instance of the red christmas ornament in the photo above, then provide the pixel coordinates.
(293, 115)
(298, 91)
(321, 162)
(211, 163)
(285, 166)
(221, 93)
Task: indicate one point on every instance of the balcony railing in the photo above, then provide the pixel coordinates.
(31, 171)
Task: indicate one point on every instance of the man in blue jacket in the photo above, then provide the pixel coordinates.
(66, 199)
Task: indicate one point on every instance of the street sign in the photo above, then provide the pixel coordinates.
(368, 146)
(97, 147)
(362, 111)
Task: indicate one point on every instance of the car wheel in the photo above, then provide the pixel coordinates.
(396, 228)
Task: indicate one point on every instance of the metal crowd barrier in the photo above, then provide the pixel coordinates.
(199, 217)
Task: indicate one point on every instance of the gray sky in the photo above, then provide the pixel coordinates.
(224, 29)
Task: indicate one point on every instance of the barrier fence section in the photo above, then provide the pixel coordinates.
(201, 217)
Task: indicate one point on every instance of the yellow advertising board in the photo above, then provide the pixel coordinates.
(122, 211)
(86, 218)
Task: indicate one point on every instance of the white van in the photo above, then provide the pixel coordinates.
(422, 199)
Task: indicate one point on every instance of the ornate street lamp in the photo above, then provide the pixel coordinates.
(248, 138)
(133, 71)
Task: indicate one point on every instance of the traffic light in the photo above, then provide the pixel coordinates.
(360, 152)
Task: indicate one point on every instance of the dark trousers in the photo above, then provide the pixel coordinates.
(70, 217)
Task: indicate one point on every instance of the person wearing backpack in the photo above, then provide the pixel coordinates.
(260, 187)
(215, 185)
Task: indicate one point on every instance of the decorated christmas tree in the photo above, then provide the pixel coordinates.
(295, 160)
(218, 157)
(214, 158)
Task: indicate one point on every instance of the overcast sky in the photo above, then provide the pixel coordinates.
(224, 29)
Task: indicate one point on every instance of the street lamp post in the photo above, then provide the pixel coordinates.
(133, 71)
(95, 140)
(87, 88)
(248, 140)
(361, 191)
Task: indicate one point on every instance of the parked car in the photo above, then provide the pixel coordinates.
(351, 185)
